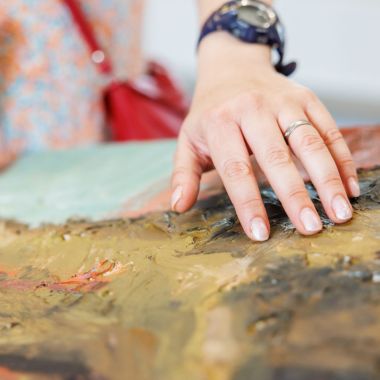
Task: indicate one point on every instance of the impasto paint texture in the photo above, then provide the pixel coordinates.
(189, 296)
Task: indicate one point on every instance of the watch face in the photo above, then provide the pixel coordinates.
(256, 13)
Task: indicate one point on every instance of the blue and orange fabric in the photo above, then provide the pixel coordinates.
(50, 90)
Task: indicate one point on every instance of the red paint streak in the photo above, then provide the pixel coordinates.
(87, 281)
(91, 280)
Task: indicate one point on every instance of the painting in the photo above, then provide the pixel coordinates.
(169, 296)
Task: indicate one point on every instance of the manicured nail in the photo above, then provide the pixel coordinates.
(354, 187)
(310, 220)
(341, 208)
(259, 230)
(176, 196)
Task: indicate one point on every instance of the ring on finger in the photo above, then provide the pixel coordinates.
(295, 125)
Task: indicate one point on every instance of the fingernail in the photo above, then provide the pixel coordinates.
(310, 220)
(354, 187)
(259, 230)
(341, 208)
(176, 196)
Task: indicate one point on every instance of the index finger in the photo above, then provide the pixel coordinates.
(231, 159)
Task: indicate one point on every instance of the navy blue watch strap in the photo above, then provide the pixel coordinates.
(216, 22)
(226, 18)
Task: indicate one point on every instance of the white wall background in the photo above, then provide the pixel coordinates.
(336, 43)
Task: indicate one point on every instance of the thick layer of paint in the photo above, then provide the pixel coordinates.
(170, 297)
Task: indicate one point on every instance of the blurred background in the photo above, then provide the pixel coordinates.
(334, 41)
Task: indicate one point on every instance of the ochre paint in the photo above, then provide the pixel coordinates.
(169, 296)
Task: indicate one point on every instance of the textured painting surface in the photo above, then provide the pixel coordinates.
(168, 296)
(188, 296)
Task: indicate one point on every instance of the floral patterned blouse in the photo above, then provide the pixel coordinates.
(50, 90)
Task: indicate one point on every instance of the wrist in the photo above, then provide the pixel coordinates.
(221, 49)
(250, 23)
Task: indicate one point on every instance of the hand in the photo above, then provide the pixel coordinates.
(241, 107)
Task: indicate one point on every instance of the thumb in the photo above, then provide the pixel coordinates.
(186, 175)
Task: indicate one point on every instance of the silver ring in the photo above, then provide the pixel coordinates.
(292, 127)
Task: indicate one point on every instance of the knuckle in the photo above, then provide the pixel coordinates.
(347, 161)
(277, 156)
(236, 169)
(182, 174)
(297, 193)
(250, 203)
(332, 180)
(179, 171)
(312, 142)
(307, 95)
(332, 136)
(215, 115)
(178, 174)
(252, 100)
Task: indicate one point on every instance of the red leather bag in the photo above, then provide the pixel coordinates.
(150, 107)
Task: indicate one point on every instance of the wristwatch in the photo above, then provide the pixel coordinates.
(251, 21)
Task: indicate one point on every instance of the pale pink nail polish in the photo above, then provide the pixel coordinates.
(310, 220)
(354, 187)
(341, 208)
(176, 196)
(259, 230)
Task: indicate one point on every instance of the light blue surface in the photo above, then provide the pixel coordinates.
(91, 183)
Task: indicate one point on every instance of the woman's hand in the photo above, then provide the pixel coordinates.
(242, 107)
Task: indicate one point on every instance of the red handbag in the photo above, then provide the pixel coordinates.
(150, 107)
